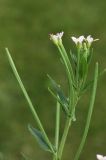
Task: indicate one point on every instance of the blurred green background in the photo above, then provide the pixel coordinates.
(24, 28)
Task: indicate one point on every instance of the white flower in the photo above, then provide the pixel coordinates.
(57, 39)
(101, 157)
(78, 40)
(82, 41)
(89, 39)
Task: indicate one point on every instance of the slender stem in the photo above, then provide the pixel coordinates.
(71, 97)
(63, 140)
(71, 92)
(77, 70)
(68, 61)
(89, 113)
(28, 99)
(69, 74)
(57, 126)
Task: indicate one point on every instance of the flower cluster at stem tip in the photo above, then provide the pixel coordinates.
(83, 55)
(83, 42)
(100, 157)
(80, 41)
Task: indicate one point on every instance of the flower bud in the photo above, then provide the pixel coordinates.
(57, 39)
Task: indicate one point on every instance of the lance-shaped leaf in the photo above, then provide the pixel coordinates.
(40, 138)
(56, 91)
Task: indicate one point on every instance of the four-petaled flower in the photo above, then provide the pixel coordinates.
(57, 39)
(82, 40)
(78, 40)
(101, 157)
(89, 39)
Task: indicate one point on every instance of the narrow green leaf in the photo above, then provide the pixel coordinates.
(40, 138)
(56, 91)
(56, 88)
(28, 98)
(64, 108)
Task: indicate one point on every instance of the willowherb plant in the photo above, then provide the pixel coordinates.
(77, 71)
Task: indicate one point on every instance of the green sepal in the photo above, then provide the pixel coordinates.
(56, 91)
(39, 138)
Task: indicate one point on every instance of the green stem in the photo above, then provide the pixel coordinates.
(68, 61)
(57, 126)
(69, 74)
(91, 105)
(71, 92)
(77, 70)
(63, 140)
(71, 97)
(28, 99)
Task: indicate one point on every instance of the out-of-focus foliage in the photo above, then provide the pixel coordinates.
(24, 29)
